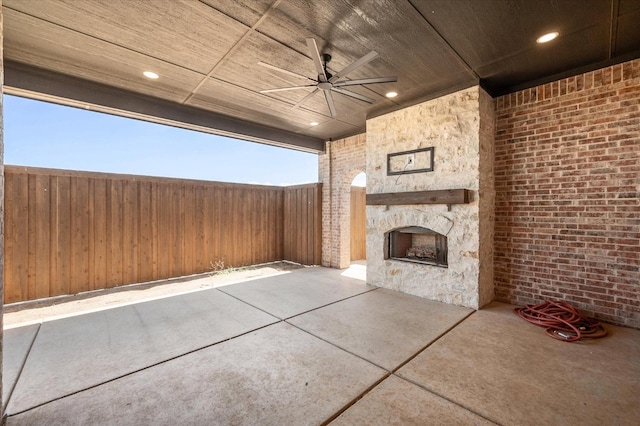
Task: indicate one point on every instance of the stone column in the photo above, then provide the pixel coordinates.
(460, 128)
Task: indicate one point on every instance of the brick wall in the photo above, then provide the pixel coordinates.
(567, 180)
(342, 161)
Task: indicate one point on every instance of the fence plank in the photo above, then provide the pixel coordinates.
(199, 237)
(79, 236)
(309, 229)
(41, 221)
(155, 221)
(31, 242)
(187, 211)
(280, 218)
(129, 232)
(16, 229)
(211, 218)
(115, 231)
(270, 230)
(63, 235)
(146, 241)
(100, 233)
(90, 284)
(217, 238)
(318, 224)
(53, 240)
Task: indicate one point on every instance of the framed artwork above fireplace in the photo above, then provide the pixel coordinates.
(414, 161)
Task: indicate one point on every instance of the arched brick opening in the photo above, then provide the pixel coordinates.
(342, 161)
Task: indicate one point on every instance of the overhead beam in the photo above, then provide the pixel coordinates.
(37, 83)
(613, 27)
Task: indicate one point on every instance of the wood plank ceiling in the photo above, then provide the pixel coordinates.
(207, 54)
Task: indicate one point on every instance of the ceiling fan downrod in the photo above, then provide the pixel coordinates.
(326, 58)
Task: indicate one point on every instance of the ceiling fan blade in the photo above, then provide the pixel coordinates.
(273, 67)
(317, 61)
(365, 81)
(330, 104)
(305, 98)
(353, 95)
(354, 66)
(283, 89)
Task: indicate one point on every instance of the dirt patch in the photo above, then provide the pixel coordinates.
(24, 313)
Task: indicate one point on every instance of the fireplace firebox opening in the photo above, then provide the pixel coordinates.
(418, 245)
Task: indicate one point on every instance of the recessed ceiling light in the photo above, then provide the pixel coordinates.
(391, 94)
(314, 123)
(545, 38)
(150, 74)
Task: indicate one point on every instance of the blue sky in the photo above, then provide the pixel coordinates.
(41, 134)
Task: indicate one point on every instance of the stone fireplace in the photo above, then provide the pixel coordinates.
(440, 251)
(416, 244)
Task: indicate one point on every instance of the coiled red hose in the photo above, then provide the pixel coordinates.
(562, 321)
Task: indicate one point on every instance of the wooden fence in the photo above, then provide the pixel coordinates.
(358, 223)
(67, 232)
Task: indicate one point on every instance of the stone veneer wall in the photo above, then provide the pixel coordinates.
(460, 127)
(568, 193)
(342, 161)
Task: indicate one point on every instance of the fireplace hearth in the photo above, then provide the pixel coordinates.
(418, 245)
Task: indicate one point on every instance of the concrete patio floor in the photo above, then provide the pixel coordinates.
(313, 346)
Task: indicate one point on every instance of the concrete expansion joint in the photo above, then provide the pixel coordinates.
(249, 304)
(395, 370)
(24, 362)
(355, 400)
(338, 346)
(329, 304)
(453, 401)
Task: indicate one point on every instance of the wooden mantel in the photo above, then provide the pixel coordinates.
(444, 196)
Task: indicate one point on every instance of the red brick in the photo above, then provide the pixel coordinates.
(567, 196)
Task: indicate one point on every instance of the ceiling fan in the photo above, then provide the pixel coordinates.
(328, 83)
